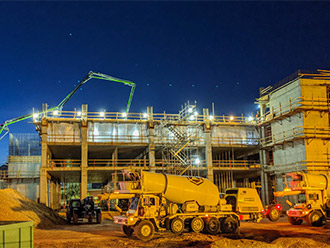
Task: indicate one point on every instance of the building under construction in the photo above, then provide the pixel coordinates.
(290, 133)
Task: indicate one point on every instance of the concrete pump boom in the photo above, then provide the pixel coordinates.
(90, 75)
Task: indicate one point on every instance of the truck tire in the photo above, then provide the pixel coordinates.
(212, 225)
(229, 225)
(145, 230)
(75, 217)
(273, 213)
(68, 218)
(315, 218)
(90, 219)
(128, 230)
(177, 225)
(197, 224)
(98, 218)
(294, 221)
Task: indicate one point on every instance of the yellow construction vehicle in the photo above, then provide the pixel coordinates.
(312, 198)
(170, 202)
(247, 204)
(114, 204)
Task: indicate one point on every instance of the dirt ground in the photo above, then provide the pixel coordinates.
(259, 235)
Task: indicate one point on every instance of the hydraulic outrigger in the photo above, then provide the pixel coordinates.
(90, 75)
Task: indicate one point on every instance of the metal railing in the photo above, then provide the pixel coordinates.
(246, 164)
(118, 162)
(64, 163)
(292, 105)
(301, 132)
(143, 117)
(19, 174)
(118, 138)
(234, 141)
(64, 138)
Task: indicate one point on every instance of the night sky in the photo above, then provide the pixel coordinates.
(219, 52)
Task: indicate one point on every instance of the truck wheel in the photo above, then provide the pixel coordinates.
(75, 218)
(294, 221)
(229, 225)
(90, 219)
(315, 218)
(99, 218)
(145, 230)
(197, 224)
(212, 225)
(68, 218)
(273, 214)
(177, 226)
(128, 230)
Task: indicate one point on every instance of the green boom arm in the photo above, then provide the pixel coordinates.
(90, 75)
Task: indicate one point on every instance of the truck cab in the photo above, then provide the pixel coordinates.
(144, 213)
(247, 204)
(310, 193)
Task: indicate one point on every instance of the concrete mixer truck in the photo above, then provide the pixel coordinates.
(312, 198)
(170, 202)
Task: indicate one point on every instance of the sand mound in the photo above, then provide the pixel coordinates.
(298, 243)
(16, 207)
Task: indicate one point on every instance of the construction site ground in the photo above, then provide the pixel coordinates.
(263, 234)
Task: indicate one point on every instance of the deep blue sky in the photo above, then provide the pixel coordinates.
(227, 50)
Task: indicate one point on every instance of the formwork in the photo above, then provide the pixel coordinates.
(24, 163)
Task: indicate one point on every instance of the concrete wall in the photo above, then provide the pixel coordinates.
(27, 187)
(289, 153)
(317, 150)
(245, 134)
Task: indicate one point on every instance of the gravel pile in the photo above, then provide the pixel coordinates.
(16, 207)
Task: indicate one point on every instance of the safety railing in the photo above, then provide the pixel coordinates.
(117, 138)
(245, 164)
(295, 133)
(299, 103)
(63, 163)
(194, 164)
(144, 117)
(118, 162)
(316, 164)
(63, 138)
(22, 174)
(234, 141)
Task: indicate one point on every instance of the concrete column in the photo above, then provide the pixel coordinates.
(44, 157)
(152, 160)
(151, 136)
(84, 156)
(264, 176)
(208, 154)
(115, 157)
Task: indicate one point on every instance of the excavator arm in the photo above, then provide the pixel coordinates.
(90, 75)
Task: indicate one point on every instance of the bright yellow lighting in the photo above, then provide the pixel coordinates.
(55, 112)
(231, 118)
(211, 117)
(124, 114)
(79, 113)
(102, 114)
(145, 115)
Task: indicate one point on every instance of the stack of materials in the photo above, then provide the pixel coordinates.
(16, 207)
